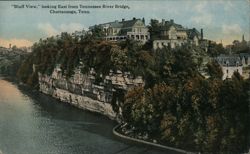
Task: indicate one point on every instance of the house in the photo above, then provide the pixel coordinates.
(245, 59)
(121, 30)
(229, 65)
(173, 35)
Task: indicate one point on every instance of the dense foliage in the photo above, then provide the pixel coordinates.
(69, 52)
(177, 105)
(186, 110)
(10, 60)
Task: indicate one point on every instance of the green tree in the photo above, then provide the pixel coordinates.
(214, 70)
(97, 32)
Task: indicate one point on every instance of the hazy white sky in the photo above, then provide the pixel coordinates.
(224, 20)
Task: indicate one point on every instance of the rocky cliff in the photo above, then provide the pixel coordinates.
(83, 91)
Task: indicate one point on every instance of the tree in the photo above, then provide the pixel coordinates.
(216, 49)
(97, 32)
(234, 111)
(214, 70)
(154, 29)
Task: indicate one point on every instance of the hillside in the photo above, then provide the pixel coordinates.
(175, 106)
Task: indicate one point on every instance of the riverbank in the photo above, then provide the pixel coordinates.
(45, 125)
(26, 87)
(116, 130)
(119, 131)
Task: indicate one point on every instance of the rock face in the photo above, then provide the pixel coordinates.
(83, 91)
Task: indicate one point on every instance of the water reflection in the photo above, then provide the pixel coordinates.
(33, 123)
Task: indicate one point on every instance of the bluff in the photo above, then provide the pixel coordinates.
(82, 90)
(89, 73)
(160, 94)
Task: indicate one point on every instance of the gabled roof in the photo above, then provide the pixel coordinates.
(192, 33)
(245, 55)
(116, 24)
(129, 23)
(120, 24)
(229, 60)
(167, 24)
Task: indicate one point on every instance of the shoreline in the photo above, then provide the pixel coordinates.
(114, 130)
(29, 88)
(164, 147)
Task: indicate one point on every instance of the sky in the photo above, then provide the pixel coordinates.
(221, 20)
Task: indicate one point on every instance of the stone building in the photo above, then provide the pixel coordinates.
(173, 35)
(121, 30)
(229, 65)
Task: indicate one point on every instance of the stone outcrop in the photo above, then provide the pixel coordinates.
(83, 91)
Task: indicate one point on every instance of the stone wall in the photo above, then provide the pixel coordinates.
(83, 91)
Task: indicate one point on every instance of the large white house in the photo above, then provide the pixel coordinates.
(173, 35)
(121, 30)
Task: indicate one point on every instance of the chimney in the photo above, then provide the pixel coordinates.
(171, 21)
(123, 20)
(143, 20)
(201, 34)
(163, 22)
(10, 46)
(134, 18)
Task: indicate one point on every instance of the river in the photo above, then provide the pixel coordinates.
(33, 123)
